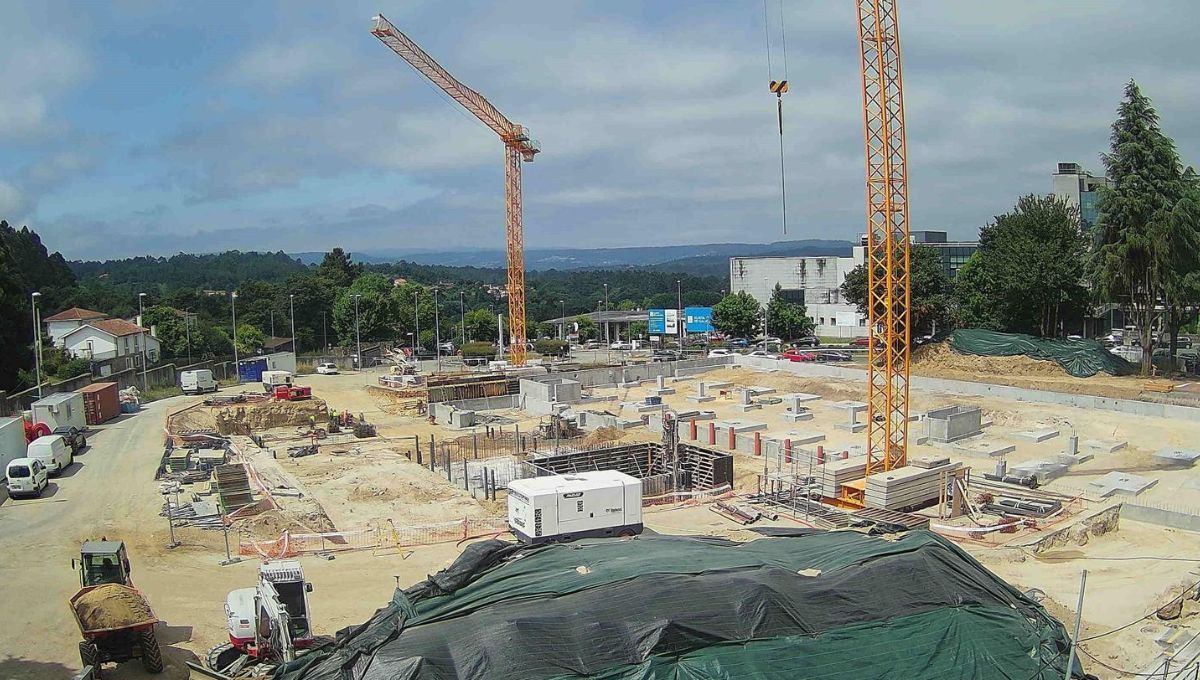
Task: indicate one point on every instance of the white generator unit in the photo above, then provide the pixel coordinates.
(578, 505)
(63, 409)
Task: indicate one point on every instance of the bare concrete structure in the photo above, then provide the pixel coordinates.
(951, 423)
(549, 395)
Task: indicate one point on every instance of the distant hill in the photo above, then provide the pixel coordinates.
(708, 258)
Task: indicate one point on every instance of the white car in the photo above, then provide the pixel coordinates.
(26, 477)
(763, 354)
(327, 368)
(621, 345)
(719, 352)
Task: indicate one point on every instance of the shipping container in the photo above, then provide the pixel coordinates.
(101, 403)
(12, 440)
(578, 505)
(251, 370)
(64, 409)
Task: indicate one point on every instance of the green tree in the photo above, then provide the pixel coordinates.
(1027, 275)
(377, 314)
(638, 329)
(338, 269)
(171, 330)
(738, 315)
(249, 339)
(588, 330)
(929, 293)
(787, 320)
(481, 325)
(1133, 258)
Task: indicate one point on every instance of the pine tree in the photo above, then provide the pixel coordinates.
(1134, 258)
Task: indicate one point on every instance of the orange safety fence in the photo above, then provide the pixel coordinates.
(291, 544)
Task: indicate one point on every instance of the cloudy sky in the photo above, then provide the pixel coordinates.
(141, 126)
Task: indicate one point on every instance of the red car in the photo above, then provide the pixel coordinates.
(794, 354)
(861, 342)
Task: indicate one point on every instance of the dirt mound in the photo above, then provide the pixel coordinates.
(112, 606)
(374, 492)
(938, 357)
(247, 418)
(602, 435)
(272, 523)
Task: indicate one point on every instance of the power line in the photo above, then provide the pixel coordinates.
(767, 40)
(783, 37)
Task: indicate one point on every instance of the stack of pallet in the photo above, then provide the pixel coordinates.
(233, 486)
(834, 473)
(178, 460)
(906, 487)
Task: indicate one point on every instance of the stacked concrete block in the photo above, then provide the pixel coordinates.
(1121, 484)
(907, 486)
(951, 423)
(834, 473)
(852, 409)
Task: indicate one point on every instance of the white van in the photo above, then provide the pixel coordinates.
(197, 382)
(273, 379)
(51, 451)
(26, 477)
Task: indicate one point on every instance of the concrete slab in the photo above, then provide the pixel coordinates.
(699, 400)
(1069, 460)
(849, 427)
(800, 437)
(798, 417)
(1121, 484)
(662, 392)
(1104, 445)
(758, 390)
(855, 406)
(630, 384)
(749, 407)
(1035, 436)
(1176, 457)
(986, 447)
(740, 426)
(717, 385)
(1043, 470)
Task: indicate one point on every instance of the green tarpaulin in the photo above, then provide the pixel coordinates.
(1080, 358)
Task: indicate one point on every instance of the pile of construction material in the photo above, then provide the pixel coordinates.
(909, 486)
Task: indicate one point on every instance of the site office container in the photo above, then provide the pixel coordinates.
(578, 505)
(101, 403)
(64, 409)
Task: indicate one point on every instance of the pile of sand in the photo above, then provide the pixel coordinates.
(112, 606)
(940, 358)
(602, 435)
(198, 417)
(272, 523)
(247, 418)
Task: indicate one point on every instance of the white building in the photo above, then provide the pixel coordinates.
(814, 282)
(110, 338)
(59, 325)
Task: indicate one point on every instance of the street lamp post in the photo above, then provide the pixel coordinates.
(237, 373)
(562, 325)
(462, 314)
(606, 338)
(357, 336)
(187, 325)
(37, 342)
(437, 330)
(142, 320)
(679, 313)
(324, 331)
(292, 304)
(272, 312)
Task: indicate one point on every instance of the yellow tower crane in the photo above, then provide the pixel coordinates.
(518, 147)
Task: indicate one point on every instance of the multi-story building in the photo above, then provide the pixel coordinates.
(954, 253)
(814, 282)
(1080, 189)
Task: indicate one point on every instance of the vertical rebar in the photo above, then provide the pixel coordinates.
(1078, 620)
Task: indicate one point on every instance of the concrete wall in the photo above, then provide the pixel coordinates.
(1130, 406)
(1176, 517)
(606, 377)
(952, 423)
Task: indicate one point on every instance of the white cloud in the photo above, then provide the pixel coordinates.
(12, 203)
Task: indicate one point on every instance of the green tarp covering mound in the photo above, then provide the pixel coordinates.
(798, 605)
(1080, 358)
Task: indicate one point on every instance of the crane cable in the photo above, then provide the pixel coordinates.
(778, 88)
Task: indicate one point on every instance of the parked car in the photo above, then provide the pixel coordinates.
(763, 354)
(860, 342)
(661, 355)
(620, 345)
(719, 352)
(26, 477)
(833, 356)
(807, 341)
(327, 368)
(739, 342)
(592, 344)
(197, 382)
(72, 436)
(51, 451)
(798, 355)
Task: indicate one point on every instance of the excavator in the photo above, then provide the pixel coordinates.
(267, 624)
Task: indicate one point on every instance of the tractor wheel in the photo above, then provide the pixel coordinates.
(152, 659)
(90, 656)
(82, 443)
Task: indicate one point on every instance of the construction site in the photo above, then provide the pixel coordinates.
(916, 514)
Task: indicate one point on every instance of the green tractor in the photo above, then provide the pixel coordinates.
(114, 617)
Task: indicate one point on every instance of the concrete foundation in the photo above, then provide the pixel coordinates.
(798, 416)
(852, 409)
(739, 426)
(1121, 484)
(952, 423)
(1043, 471)
(1176, 457)
(1036, 436)
(986, 447)
(1104, 445)
(799, 397)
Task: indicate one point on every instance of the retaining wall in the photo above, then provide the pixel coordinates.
(1176, 517)
(963, 387)
(608, 376)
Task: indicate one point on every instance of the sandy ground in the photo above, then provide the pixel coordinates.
(111, 492)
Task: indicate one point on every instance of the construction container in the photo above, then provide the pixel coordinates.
(64, 409)
(12, 440)
(578, 505)
(100, 402)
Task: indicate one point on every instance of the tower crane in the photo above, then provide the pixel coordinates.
(888, 273)
(518, 147)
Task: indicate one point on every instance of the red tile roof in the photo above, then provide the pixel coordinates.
(76, 314)
(117, 327)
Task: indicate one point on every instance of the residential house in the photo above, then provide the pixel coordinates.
(104, 339)
(272, 345)
(59, 325)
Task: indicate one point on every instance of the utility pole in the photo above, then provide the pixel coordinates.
(462, 313)
(324, 330)
(357, 336)
(292, 304)
(562, 326)
(233, 309)
(437, 330)
(142, 320)
(1078, 620)
(37, 342)
(679, 313)
(272, 322)
(417, 317)
(606, 339)
(187, 324)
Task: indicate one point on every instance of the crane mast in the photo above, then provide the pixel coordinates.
(518, 147)
(888, 274)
